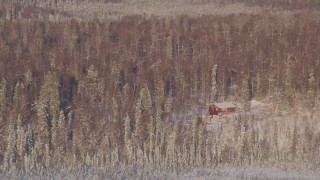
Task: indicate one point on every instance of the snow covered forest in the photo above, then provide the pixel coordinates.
(116, 95)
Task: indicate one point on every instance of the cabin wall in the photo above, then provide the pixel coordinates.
(213, 110)
(231, 110)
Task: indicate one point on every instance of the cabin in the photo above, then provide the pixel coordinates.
(222, 108)
(215, 110)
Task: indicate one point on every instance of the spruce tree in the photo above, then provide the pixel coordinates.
(152, 136)
(236, 127)
(201, 146)
(214, 83)
(62, 136)
(138, 134)
(272, 89)
(54, 135)
(21, 139)
(288, 145)
(169, 102)
(47, 108)
(115, 110)
(311, 91)
(127, 139)
(3, 100)
(11, 146)
(288, 76)
(171, 148)
(251, 139)
(159, 93)
(240, 144)
(288, 82)
(245, 94)
(275, 144)
(115, 73)
(169, 46)
(47, 156)
(208, 150)
(194, 135)
(146, 99)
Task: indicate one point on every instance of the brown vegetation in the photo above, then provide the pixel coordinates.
(104, 93)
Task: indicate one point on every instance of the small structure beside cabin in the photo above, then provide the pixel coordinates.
(206, 120)
(222, 108)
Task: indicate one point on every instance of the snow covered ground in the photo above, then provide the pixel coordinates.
(122, 172)
(246, 173)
